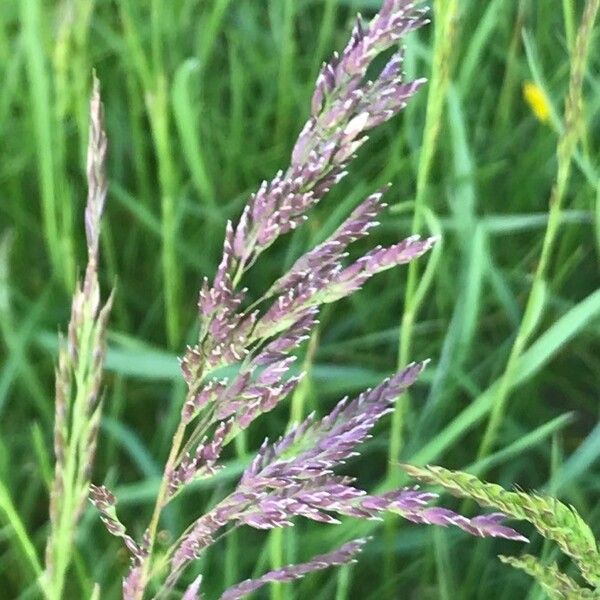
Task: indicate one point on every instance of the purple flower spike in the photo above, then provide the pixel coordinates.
(343, 555)
(193, 590)
(294, 477)
(326, 256)
(491, 526)
(380, 259)
(105, 503)
(482, 526)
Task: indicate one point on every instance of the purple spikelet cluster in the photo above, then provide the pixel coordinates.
(296, 475)
(193, 590)
(105, 502)
(326, 257)
(203, 463)
(295, 478)
(343, 555)
(344, 107)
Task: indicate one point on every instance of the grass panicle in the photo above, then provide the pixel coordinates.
(79, 377)
(558, 585)
(553, 520)
(294, 476)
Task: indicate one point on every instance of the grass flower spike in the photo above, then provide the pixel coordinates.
(554, 520)
(295, 477)
(79, 376)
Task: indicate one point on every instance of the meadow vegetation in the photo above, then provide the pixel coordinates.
(497, 155)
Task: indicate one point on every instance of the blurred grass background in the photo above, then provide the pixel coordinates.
(203, 101)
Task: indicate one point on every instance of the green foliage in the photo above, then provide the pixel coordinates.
(237, 76)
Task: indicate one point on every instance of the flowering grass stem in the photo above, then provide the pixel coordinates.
(445, 15)
(78, 377)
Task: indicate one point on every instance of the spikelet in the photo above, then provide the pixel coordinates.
(558, 585)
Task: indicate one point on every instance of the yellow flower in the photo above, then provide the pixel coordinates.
(538, 101)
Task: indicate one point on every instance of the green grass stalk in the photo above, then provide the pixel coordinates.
(569, 19)
(39, 85)
(158, 108)
(63, 49)
(344, 577)
(445, 18)
(24, 545)
(286, 67)
(597, 218)
(278, 591)
(184, 112)
(161, 500)
(509, 82)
